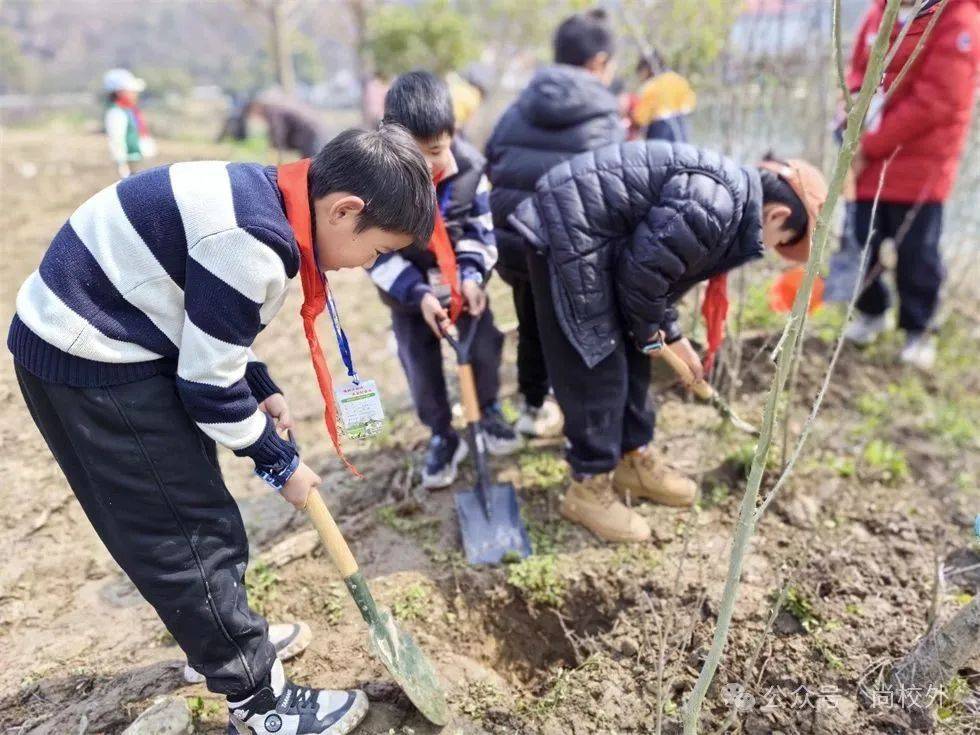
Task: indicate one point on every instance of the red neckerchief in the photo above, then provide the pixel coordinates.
(442, 247)
(141, 127)
(715, 310)
(293, 182)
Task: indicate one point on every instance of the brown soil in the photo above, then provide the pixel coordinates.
(854, 539)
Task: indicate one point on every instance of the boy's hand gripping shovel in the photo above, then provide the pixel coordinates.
(396, 649)
(703, 390)
(489, 514)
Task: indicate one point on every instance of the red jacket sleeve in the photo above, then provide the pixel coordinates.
(938, 89)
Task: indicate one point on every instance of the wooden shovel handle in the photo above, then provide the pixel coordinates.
(330, 534)
(467, 393)
(700, 387)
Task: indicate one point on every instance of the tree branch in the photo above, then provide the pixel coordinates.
(745, 526)
(839, 58)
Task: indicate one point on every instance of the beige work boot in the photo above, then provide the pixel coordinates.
(641, 474)
(592, 503)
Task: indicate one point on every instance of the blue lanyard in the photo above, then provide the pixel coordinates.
(342, 343)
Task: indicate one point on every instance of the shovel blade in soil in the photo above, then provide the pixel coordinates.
(494, 531)
(409, 667)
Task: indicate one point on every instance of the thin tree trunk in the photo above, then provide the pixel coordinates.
(282, 47)
(935, 659)
(745, 526)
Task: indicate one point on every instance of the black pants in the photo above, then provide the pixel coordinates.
(606, 409)
(149, 482)
(420, 353)
(532, 371)
(919, 274)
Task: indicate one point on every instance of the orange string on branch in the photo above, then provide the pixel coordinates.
(782, 291)
(293, 182)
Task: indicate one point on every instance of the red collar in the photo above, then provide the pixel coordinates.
(293, 182)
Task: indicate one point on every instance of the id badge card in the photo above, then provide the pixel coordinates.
(440, 289)
(359, 407)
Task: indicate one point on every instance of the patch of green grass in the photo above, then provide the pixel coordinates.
(844, 466)
(715, 495)
(827, 651)
(559, 690)
(546, 536)
(852, 608)
(509, 411)
(951, 697)
(412, 604)
(800, 607)
(331, 604)
(204, 710)
(887, 461)
(261, 582)
(542, 470)
(538, 580)
(756, 313)
(741, 458)
(636, 556)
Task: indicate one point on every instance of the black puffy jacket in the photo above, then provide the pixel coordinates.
(629, 228)
(564, 111)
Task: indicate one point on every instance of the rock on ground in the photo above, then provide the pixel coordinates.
(167, 716)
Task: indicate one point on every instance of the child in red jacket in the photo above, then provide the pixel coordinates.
(921, 125)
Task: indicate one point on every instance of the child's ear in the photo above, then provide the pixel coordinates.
(776, 213)
(347, 206)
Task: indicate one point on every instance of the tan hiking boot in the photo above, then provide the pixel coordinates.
(592, 503)
(643, 475)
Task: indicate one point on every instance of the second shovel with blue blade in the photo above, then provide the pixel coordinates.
(489, 513)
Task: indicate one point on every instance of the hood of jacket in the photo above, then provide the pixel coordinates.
(560, 95)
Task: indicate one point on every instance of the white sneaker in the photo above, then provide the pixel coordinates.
(865, 329)
(545, 421)
(289, 640)
(283, 708)
(919, 351)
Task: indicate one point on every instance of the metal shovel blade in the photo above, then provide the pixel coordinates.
(495, 530)
(400, 654)
(409, 667)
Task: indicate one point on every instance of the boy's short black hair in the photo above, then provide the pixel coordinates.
(386, 169)
(776, 190)
(580, 37)
(420, 102)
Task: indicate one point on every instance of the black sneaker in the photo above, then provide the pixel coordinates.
(283, 708)
(500, 436)
(442, 461)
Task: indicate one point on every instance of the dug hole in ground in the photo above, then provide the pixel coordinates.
(569, 640)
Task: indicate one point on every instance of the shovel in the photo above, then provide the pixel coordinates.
(489, 514)
(703, 390)
(398, 652)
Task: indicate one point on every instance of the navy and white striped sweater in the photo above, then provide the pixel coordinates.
(174, 270)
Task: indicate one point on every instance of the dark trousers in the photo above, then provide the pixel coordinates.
(919, 273)
(420, 353)
(606, 409)
(149, 482)
(532, 371)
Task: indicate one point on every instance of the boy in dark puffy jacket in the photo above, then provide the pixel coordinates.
(618, 235)
(566, 109)
(420, 284)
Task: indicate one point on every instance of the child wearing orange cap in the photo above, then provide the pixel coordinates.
(618, 236)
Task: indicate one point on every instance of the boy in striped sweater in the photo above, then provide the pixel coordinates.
(131, 344)
(424, 287)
